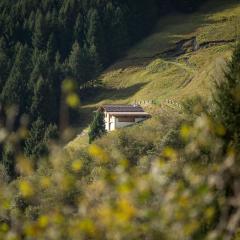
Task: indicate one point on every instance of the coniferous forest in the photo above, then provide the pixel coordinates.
(44, 42)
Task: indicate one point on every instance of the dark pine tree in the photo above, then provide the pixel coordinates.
(35, 146)
(39, 35)
(79, 29)
(75, 63)
(117, 34)
(8, 160)
(51, 48)
(97, 127)
(96, 40)
(80, 65)
(44, 101)
(227, 99)
(16, 91)
(4, 66)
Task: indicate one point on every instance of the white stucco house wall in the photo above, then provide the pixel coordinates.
(119, 116)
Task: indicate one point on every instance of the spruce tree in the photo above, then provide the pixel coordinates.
(4, 67)
(44, 101)
(35, 145)
(45, 89)
(16, 91)
(58, 75)
(8, 160)
(51, 48)
(227, 99)
(79, 29)
(80, 64)
(75, 62)
(120, 39)
(97, 127)
(39, 35)
(96, 40)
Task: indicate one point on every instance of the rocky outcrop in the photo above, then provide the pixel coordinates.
(188, 44)
(182, 47)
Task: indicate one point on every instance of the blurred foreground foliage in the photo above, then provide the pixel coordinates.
(192, 191)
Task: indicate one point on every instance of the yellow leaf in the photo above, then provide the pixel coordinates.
(26, 189)
(96, 152)
(191, 227)
(185, 132)
(210, 212)
(6, 204)
(57, 218)
(170, 153)
(31, 230)
(45, 182)
(126, 210)
(73, 100)
(87, 226)
(43, 221)
(68, 85)
(76, 165)
(4, 227)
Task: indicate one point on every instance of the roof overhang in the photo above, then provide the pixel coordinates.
(129, 113)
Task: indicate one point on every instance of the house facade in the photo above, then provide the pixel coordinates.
(119, 116)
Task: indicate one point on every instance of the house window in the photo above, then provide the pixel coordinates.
(126, 119)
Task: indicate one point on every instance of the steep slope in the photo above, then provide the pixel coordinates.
(180, 59)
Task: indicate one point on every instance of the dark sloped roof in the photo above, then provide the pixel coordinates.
(123, 108)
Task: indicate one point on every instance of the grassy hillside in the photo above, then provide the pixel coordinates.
(157, 69)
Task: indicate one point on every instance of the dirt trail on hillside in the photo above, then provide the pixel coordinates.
(182, 47)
